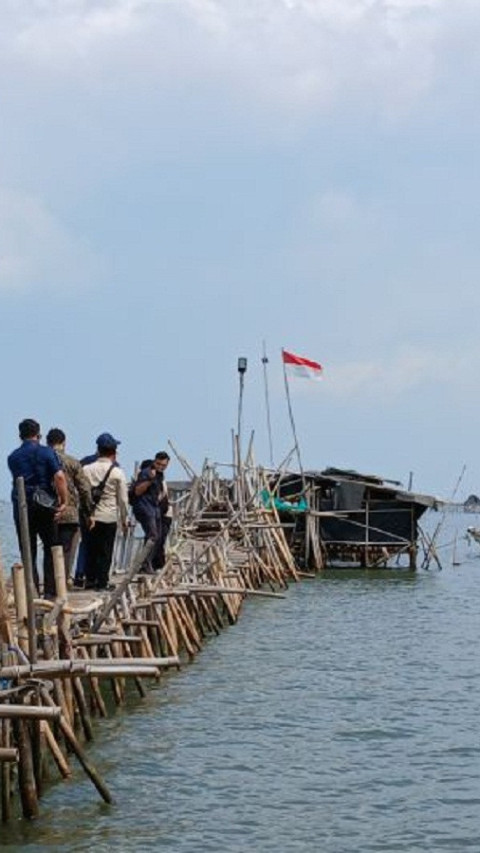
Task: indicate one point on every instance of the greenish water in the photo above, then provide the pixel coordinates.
(341, 718)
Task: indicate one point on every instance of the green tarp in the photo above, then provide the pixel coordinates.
(283, 505)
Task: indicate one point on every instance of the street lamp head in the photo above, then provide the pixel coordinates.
(242, 365)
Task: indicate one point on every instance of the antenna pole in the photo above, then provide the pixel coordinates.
(267, 404)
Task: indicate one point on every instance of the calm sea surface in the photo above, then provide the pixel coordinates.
(342, 718)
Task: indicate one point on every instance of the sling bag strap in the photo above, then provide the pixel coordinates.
(42, 498)
(97, 491)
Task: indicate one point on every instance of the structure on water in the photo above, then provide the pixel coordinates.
(231, 538)
(343, 517)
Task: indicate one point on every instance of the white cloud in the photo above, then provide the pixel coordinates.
(37, 251)
(406, 369)
(300, 54)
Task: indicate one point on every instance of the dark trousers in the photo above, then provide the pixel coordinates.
(151, 523)
(41, 525)
(68, 539)
(82, 552)
(99, 542)
(166, 525)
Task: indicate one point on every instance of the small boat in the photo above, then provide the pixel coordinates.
(474, 533)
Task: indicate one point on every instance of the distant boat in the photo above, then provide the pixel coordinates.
(474, 533)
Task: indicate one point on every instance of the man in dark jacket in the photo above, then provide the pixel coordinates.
(144, 497)
(40, 468)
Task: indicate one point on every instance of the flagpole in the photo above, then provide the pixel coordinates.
(292, 420)
(267, 404)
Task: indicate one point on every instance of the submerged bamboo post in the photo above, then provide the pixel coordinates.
(55, 750)
(72, 741)
(5, 773)
(26, 775)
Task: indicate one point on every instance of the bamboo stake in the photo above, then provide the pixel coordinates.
(6, 633)
(63, 623)
(26, 776)
(171, 642)
(5, 773)
(28, 567)
(85, 720)
(20, 595)
(55, 750)
(176, 616)
(97, 697)
(90, 770)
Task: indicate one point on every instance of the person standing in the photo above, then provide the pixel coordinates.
(144, 498)
(161, 460)
(41, 469)
(79, 579)
(79, 497)
(109, 493)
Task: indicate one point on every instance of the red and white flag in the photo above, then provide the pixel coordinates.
(295, 365)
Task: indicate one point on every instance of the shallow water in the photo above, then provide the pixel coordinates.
(341, 718)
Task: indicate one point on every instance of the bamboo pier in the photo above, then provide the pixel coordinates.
(64, 662)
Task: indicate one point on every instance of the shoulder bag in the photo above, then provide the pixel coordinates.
(97, 491)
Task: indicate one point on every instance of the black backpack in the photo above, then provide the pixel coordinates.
(132, 497)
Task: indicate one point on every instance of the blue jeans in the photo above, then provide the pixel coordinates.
(151, 523)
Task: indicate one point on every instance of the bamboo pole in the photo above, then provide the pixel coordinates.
(29, 712)
(26, 775)
(5, 775)
(20, 595)
(90, 770)
(63, 622)
(55, 750)
(6, 633)
(96, 695)
(28, 566)
(9, 754)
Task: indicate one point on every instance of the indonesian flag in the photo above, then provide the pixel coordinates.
(295, 365)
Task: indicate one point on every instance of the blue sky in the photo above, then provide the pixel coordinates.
(180, 181)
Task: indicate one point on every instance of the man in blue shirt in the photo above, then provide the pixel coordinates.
(40, 468)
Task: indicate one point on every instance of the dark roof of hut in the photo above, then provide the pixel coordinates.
(389, 488)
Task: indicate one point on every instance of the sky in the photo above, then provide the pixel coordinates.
(181, 181)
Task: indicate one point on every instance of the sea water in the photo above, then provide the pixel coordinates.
(343, 717)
